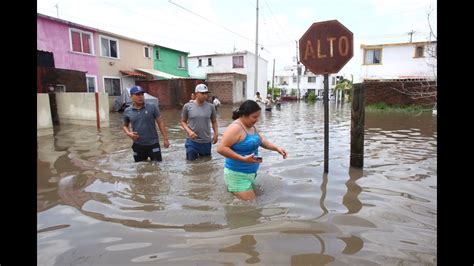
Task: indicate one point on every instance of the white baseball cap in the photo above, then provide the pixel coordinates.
(201, 88)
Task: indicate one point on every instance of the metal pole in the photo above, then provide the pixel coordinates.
(298, 71)
(273, 78)
(326, 123)
(256, 55)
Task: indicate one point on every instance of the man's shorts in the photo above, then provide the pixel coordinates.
(195, 150)
(142, 152)
(238, 181)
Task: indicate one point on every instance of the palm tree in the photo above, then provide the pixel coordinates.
(345, 86)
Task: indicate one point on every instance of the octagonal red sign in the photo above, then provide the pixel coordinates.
(326, 47)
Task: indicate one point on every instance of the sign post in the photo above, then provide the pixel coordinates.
(324, 49)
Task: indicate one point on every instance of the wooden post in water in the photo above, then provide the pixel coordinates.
(326, 122)
(357, 125)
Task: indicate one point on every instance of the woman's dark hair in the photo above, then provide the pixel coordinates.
(245, 109)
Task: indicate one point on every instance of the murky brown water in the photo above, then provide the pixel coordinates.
(97, 207)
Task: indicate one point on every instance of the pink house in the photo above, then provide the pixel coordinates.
(73, 46)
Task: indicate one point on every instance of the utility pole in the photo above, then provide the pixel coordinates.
(273, 78)
(411, 34)
(256, 55)
(298, 72)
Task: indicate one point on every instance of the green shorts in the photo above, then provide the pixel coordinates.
(238, 181)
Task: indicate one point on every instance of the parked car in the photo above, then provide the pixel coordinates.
(123, 101)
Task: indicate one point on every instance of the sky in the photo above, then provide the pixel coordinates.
(222, 26)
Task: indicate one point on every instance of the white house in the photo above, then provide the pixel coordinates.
(414, 60)
(287, 80)
(238, 62)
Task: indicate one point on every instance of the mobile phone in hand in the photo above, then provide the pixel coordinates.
(256, 157)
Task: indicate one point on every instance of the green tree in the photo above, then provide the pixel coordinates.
(345, 86)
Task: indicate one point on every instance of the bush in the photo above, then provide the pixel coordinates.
(381, 106)
(276, 92)
(312, 97)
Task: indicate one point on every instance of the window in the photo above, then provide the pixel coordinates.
(243, 89)
(181, 61)
(108, 47)
(209, 61)
(333, 79)
(311, 79)
(419, 51)
(91, 83)
(238, 61)
(81, 41)
(112, 86)
(158, 54)
(372, 56)
(199, 62)
(295, 79)
(146, 51)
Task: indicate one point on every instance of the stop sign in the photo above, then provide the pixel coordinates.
(326, 47)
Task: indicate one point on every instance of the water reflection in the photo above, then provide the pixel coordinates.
(350, 199)
(246, 246)
(242, 216)
(323, 195)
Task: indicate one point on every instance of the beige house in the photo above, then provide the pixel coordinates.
(117, 59)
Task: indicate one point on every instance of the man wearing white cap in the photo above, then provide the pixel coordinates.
(196, 120)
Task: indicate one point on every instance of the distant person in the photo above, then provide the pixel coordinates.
(193, 97)
(269, 103)
(239, 145)
(258, 98)
(278, 102)
(196, 120)
(143, 117)
(216, 102)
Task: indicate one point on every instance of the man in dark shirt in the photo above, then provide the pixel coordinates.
(143, 116)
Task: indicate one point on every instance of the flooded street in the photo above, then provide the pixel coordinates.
(97, 207)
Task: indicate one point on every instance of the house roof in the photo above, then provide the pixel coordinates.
(396, 44)
(132, 73)
(158, 73)
(226, 54)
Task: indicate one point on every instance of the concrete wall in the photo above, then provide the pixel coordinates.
(389, 92)
(79, 109)
(44, 122)
(228, 87)
(170, 92)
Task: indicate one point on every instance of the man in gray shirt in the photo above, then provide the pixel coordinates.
(143, 117)
(196, 118)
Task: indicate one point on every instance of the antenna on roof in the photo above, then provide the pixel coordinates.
(411, 34)
(57, 9)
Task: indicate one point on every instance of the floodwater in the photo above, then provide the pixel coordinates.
(97, 207)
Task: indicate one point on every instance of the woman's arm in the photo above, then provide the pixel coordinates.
(270, 146)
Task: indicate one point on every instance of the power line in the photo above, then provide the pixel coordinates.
(273, 29)
(278, 23)
(227, 29)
